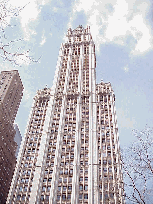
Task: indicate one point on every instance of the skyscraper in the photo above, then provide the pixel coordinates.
(70, 152)
(10, 96)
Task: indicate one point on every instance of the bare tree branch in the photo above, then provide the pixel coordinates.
(138, 172)
(11, 50)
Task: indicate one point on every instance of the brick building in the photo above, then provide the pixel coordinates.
(10, 96)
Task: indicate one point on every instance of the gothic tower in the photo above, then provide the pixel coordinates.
(70, 152)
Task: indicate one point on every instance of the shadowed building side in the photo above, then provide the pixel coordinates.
(10, 96)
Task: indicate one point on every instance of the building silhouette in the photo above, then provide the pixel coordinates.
(70, 152)
(10, 96)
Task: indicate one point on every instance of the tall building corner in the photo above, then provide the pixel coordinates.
(10, 96)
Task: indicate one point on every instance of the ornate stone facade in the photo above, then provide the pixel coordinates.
(70, 152)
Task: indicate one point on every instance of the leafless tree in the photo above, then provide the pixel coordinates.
(138, 168)
(11, 50)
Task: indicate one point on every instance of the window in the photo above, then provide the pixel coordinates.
(64, 197)
(108, 147)
(104, 147)
(64, 188)
(27, 180)
(105, 169)
(80, 196)
(25, 188)
(23, 197)
(106, 185)
(18, 197)
(107, 134)
(81, 187)
(81, 178)
(48, 188)
(104, 161)
(86, 171)
(110, 169)
(42, 197)
(85, 196)
(111, 195)
(58, 197)
(43, 188)
(66, 171)
(69, 196)
(20, 189)
(22, 180)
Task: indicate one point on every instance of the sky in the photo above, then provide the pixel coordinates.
(122, 32)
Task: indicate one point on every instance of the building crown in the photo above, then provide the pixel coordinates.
(78, 31)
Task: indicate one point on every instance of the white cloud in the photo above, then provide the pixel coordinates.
(23, 59)
(55, 9)
(126, 122)
(29, 14)
(43, 39)
(5, 66)
(126, 69)
(42, 2)
(116, 20)
(142, 33)
(26, 95)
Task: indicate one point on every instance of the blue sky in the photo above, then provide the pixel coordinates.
(122, 32)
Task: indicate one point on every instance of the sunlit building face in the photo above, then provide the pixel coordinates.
(70, 153)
